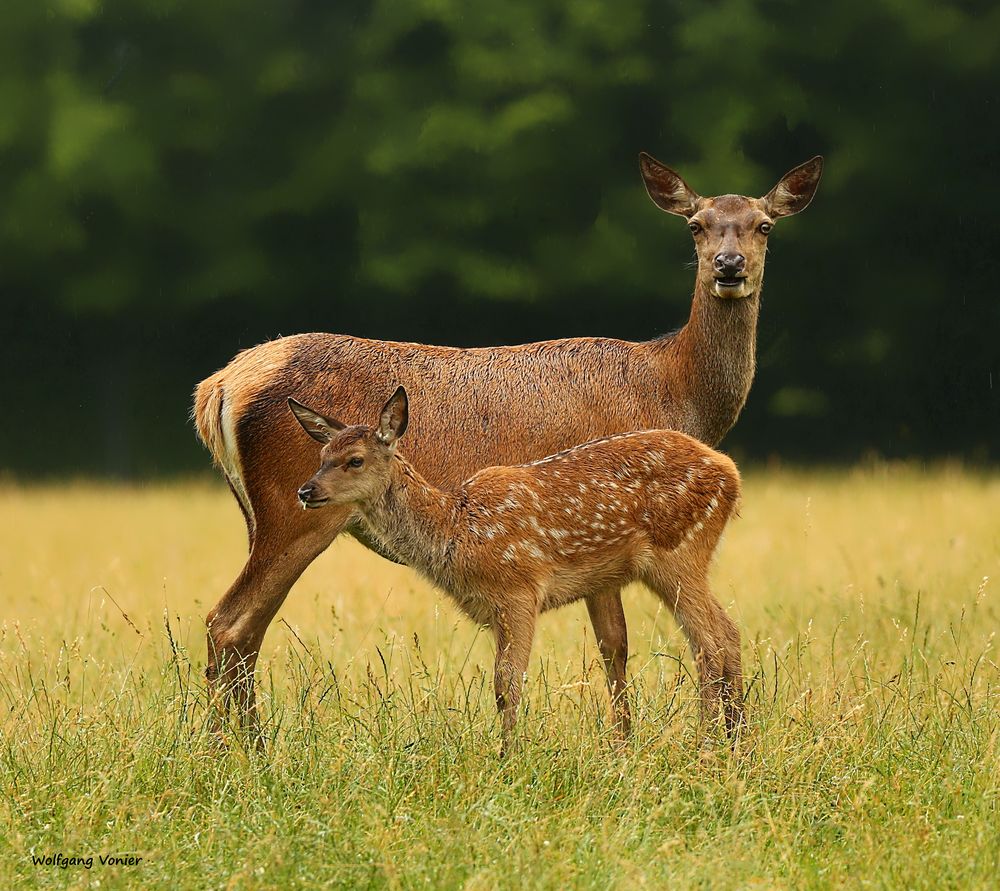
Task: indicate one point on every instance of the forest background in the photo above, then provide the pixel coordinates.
(180, 180)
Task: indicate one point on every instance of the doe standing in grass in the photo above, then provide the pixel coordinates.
(512, 542)
(496, 404)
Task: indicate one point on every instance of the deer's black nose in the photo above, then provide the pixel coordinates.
(306, 491)
(728, 265)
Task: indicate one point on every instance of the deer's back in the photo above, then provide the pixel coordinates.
(656, 481)
(594, 515)
(470, 408)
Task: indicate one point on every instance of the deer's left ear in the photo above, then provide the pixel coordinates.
(319, 427)
(394, 418)
(795, 189)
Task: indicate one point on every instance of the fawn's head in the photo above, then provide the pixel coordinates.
(730, 231)
(354, 461)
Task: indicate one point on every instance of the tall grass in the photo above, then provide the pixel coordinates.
(870, 760)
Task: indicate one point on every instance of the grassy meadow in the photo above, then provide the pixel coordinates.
(868, 602)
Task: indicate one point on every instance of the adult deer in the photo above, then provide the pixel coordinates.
(512, 542)
(494, 404)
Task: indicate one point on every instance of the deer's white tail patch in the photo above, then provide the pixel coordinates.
(228, 456)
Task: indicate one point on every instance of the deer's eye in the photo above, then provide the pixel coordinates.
(764, 228)
(355, 462)
(694, 227)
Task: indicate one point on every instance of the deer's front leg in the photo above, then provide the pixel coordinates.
(238, 622)
(515, 632)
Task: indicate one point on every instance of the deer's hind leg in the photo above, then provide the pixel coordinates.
(732, 676)
(714, 641)
(608, 618)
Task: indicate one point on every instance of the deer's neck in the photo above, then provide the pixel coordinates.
(415, 522)
(709, 364)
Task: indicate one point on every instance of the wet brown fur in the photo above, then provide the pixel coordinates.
(478, 407)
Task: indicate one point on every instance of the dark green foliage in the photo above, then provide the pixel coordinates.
(180, 180)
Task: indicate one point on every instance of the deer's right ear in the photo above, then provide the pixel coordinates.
(394, 417)
(668, 191)
(316, 425)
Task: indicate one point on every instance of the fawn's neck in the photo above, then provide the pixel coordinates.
(711, 362)
(415, 521)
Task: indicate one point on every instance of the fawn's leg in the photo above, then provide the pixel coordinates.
(714, 643)
(515, 632)
(732, 674)
(285, 543)
(608, 618)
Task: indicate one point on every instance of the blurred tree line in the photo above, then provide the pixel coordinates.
(182, 179)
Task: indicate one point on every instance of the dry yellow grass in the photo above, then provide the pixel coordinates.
(868, 616)
(822, 548)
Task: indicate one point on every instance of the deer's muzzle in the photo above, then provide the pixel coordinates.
(309, 496)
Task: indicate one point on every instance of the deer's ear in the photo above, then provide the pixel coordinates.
(795, 189)
(394, 418)
(668, 191)
(319, 427)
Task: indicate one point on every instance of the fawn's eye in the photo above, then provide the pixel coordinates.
(694, 227)
(355, 462)
(764, 228)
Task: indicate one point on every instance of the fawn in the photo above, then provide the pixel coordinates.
(512, 542)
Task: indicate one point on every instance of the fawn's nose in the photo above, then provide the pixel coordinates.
(306, 492)
(728, 265)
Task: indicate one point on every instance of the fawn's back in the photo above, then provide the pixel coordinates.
(593, 517)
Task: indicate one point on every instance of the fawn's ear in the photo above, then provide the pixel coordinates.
(795, 189)
(316, 425)
(394, 418)
(668, 191)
